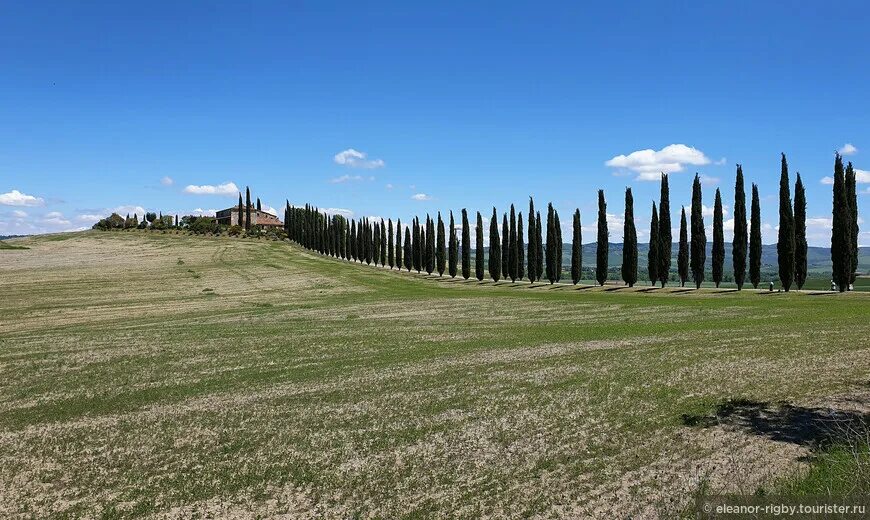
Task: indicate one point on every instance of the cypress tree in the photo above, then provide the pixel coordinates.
(521, 248)
(383, 244)
(345, 246)
(430, 245)
(512, 247)
(353, 241)
(417, 246)
(241, 221)
(654, 243)
(738, 245)
(407, 249)
(629, 241)
(494, 248)
(478, 253)
(603, 251)
(367, 241)
(371, 249)
(699, 235)
(423, 243)
(391, 257)
(452, 249)
(852, 202)
(718, 250)
(361, 240)
(421, 247)
(399, 246)
(683, 254)
(259, 206)
(466, 246)
(376, 240)
(576, 249)
(665, 239)
(539, 245)
(247, 208)
(505, 246)
(755, 239)
(841, 240)
(533, 244)
(440, 248)
(551, 243)
(412, 245)
(800, 233)
(785, 242)
(558, 226)
(408, 253)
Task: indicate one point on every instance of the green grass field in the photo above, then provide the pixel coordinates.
(175, 376)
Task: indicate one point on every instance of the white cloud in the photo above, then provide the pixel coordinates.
(707, 180)
(346, 178)
(227, 188)
(421, 196)
(649, 164)
(89, 217)
(139, 210)
(848, 149)
(389, 186)
(720, 162)
(356, 159)
(167, 181)
(706, 212)
(346, 213)
(199, 212)
(861, 177)
(20, 223)
(92, 216)
(270, 209)
(819, 231)
(16, 198)
(54, 218)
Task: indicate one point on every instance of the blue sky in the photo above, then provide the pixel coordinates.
(122, 105)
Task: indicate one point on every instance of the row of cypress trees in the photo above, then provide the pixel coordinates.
(427, 247)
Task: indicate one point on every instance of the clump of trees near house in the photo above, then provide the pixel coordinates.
(196, 224)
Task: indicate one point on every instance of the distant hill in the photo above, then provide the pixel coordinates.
(818, 258)
(4, 237)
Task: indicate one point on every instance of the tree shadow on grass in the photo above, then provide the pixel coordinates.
(682, 290)
(783, 422)
(649, 289)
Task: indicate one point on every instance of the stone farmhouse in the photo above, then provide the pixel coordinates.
(230, 217)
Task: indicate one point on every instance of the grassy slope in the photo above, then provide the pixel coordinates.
(145, 372)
